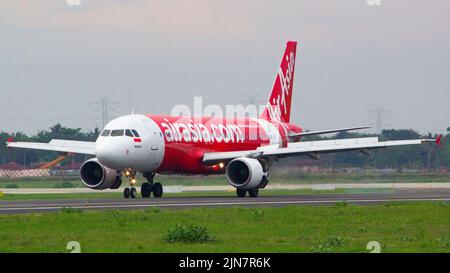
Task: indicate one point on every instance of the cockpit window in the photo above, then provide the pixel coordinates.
(115, 133)
(128, 133)
(135, 133)
(106, 133)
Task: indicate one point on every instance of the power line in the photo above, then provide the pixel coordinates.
(251, 99)
(34, 119)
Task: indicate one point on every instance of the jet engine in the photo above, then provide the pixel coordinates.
(98, 177)
(246, 173)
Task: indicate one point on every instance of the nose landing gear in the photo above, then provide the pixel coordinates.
(130, 192)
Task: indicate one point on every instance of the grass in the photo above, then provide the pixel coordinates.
(398, 227)
(292, 178)
(118, 195)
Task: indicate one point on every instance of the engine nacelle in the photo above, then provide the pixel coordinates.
(98, 177)
(246, 173)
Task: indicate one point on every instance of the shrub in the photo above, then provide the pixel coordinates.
(321, 249)
(328, 245)
(445, 241)
(64, 185)
(188, 234)
(12, 186)
(336, 241)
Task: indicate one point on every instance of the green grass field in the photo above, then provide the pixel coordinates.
(118, 195)
(405, 227)
(295, 178)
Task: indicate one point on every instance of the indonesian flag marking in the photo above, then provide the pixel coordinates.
(138, 140)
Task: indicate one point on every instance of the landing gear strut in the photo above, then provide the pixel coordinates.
(149, 187)
(130, 192)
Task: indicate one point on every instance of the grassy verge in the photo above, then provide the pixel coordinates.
(298, 178)
(405, 227)
(114, 195)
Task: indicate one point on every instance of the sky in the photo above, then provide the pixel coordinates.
(58, 58)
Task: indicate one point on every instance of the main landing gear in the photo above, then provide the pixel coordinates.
(130, 192)
(149, 187)
(241, 193)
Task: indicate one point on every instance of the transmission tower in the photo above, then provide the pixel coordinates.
(105, 104)
(379, 114)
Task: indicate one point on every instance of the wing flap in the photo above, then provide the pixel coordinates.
(57, 145)
(323, 132)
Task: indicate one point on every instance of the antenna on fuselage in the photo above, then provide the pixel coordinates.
(131, 111)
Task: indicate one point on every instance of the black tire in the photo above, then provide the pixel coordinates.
(126, 193)
(253, 192)
(241, 193)
(157, 190)
(146, 190)
(133, 193)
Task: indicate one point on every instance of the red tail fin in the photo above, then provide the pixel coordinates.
(279, 106)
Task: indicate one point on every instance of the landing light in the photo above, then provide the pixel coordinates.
(221, 165)
(133, 181)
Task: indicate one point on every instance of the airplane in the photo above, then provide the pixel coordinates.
(243, 149)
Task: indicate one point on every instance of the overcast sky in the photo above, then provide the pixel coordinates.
(56, 59)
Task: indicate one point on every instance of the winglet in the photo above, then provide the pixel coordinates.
(10, 140)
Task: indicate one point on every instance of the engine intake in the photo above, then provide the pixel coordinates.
(98, 177)
(246, 173)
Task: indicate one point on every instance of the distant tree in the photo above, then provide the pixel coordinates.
(400, 134)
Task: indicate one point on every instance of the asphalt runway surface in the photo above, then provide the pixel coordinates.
(442, 195)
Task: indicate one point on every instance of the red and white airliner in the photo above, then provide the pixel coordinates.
(243, 149)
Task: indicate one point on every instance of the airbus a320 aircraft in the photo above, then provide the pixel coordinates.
(243, 149)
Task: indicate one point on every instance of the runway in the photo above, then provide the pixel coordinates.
(192, 202)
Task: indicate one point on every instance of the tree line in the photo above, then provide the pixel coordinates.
(428, 156)
(30, 157)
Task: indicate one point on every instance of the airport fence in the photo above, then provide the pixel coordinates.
(5, 173)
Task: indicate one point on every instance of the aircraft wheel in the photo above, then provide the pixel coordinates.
(157, 190)
(241, 193)
(253, 192)
(146, 190)
(133, 193)
(126, 193)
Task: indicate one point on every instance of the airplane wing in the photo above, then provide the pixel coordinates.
(57, 145)
(322, 132)
(311, 148)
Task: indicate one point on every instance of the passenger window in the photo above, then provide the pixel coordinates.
(115, 133)
(106, 133)
(135, 133)
(128, 133)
